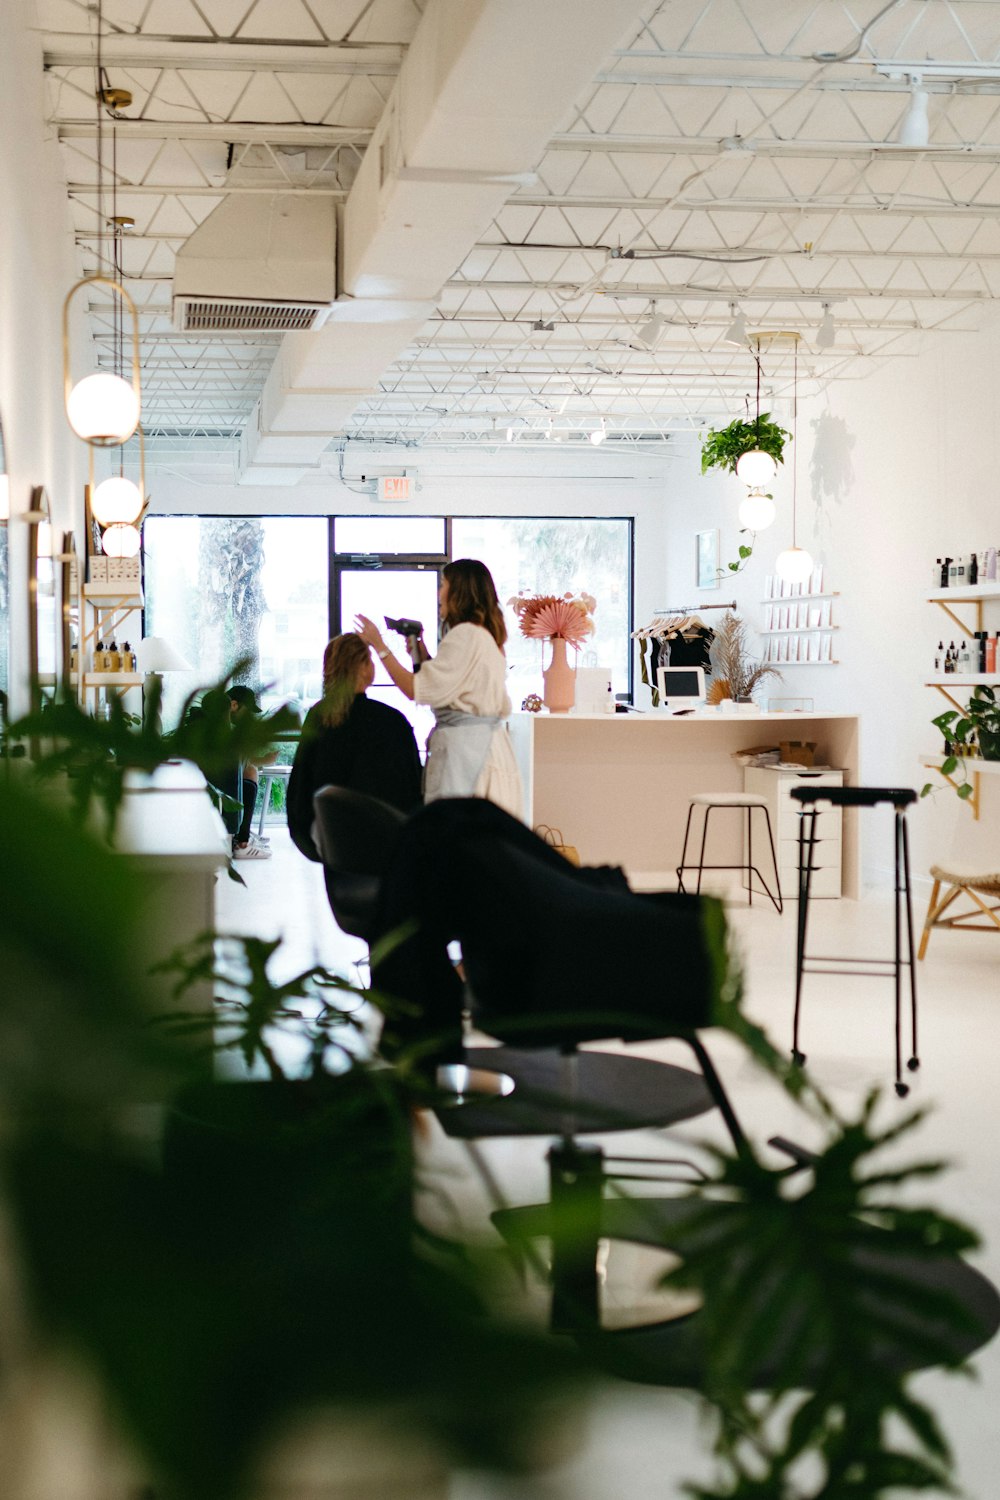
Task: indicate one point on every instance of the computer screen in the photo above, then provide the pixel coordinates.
(681, 685)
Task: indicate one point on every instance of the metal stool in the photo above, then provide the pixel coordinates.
(900, 798)
(750, 802)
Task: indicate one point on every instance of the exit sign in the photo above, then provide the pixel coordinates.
(393, 487)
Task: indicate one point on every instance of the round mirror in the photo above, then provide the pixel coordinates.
(43, 626)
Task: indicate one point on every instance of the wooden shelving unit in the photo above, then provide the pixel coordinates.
(107, 609)
(948, 684)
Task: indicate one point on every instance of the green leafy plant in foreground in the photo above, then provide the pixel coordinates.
(99, 753)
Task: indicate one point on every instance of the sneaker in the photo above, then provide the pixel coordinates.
(250, 851)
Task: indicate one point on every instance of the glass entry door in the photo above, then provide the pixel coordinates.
(402, 591)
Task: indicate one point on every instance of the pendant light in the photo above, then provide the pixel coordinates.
(104, 409)
(795, 564)
(756, 467)
(757, 511)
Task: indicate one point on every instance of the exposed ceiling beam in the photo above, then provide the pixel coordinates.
(284, 134)
(827, 83)
(72, 50)
(800, 207)
(718, 254)
(661, 292)
(706, 145)
(203, 190)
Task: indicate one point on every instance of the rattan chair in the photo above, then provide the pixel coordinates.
(961, 880)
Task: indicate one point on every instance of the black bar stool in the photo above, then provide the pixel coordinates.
(900, 798)
(745, 801)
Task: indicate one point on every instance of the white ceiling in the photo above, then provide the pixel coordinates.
(732, 151)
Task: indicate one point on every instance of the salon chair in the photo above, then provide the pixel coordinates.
(554, 957)
(356, 836)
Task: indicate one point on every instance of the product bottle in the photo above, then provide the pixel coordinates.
(949, 661)
(128, 658)
(113, 658)
(991, 652)
(937, 659)
(609, 702)
(973, 574)
(936, 584)
(964, 658)
(99, 657)
(990, 571)
(947, 572)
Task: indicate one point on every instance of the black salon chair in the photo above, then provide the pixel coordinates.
(356, 836)
(554, 958)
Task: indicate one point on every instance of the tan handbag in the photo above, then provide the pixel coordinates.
(553, 837)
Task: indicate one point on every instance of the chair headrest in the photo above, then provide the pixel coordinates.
(355, 834)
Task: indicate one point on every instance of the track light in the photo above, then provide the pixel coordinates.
(652, 331)
(736, 333)
(599, 434)
(826, 332)
(542, 327)
(915, 128)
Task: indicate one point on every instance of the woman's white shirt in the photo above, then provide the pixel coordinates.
(469, 673)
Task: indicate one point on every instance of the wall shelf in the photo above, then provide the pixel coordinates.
(802, 630)
(798, 598)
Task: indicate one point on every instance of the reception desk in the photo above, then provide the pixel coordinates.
(618, 785)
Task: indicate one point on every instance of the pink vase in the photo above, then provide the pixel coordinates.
(560, 680)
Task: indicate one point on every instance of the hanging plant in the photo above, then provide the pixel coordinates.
(723, 448)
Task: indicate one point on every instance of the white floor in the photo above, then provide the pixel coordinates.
(643, 1443)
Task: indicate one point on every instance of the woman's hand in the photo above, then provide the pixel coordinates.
(369, 632)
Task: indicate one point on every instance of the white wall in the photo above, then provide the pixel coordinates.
(37, 268)
(894, 470)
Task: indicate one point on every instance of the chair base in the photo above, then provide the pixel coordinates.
(672, 1352)
(966, 921)
(614, 1092)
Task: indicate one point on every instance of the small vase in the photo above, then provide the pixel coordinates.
(560, 680)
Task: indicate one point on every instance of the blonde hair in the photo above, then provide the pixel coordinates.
(472, 598)
(343, 658)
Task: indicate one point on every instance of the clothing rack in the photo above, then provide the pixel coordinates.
(691, 609)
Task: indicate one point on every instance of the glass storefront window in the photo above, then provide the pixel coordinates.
(553, 555)
(221, 588)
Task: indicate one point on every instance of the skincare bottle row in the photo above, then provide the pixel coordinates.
(961, 572)
(981, 656)
(111, 659)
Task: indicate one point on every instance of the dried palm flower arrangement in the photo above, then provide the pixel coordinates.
(735, 672)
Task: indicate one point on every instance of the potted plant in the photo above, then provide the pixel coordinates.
(736, 674)
(969, 733)
(723, 448)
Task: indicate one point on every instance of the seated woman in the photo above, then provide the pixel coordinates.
(351, 740)
(469, 751)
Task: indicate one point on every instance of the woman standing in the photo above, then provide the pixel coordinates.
(351, 740)
(469, 751)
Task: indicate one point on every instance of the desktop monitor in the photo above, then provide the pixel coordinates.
(681, 687)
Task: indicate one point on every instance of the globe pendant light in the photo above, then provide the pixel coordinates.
(757, 511)
(121, 541)
(104, 409)
(795, 564)
(756, 467)
(116, 500)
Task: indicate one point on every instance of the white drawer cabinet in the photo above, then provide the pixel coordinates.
(775, 784)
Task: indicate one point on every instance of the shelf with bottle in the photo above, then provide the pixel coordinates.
(962, 679)
(121, 680)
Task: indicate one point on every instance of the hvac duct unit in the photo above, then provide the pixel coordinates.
(258, 265)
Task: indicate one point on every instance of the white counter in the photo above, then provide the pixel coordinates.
(618, 785)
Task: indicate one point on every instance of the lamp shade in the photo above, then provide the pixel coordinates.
(121, 541)
(103, 408)
(794, 565)
(757, 511)
(116, 500)
(154, 654)
(756, 467)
